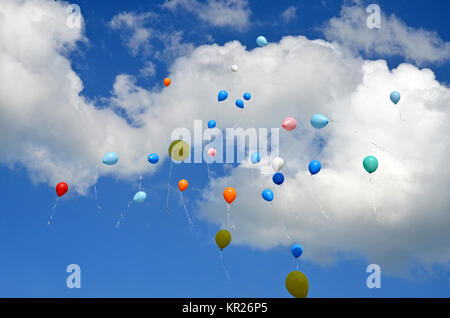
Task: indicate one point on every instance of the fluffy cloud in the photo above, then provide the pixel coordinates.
(225, 13)
(394, 37)
(289, 14)
(56, 134)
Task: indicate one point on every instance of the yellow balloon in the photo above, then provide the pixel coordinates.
(179, 150)
(223, 238)
(297, 284)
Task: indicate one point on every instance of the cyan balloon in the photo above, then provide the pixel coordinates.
(255, 157)
(110, 159)
(314, 167)
(267, 195)
(395, 97)
(261, 41)
(319, 121)
(211, 124)
(370, 163)
(140, 197)
(247, 96)
(240, 103)
(296, 250)
(222, 95)
(153, 158)
(278, 178)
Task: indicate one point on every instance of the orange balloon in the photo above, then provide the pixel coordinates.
(183, 184)
(229, 194)
(167, 81)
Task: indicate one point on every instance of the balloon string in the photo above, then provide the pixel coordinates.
(316, 197)
(209, 176)
(370, 141)
(298, 262)
(95, 189)
(53, 212)
(122, 215)
(283, 225)
(168, 187)
(372, 196)
(223, 265)
(228, 214)
(400, 113)
(185, 210)
(140, 183)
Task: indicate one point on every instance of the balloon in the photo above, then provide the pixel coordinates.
(297, 284)
(370, 163)
(289, 123)
(277, 163)
(267, 195)
(229, 194)
(314, 167)
(239, 103)
(167, 81)
(211, 152)
(395, 97)
(261, 41)
(179, 150)
(278, 178)
(247, 96)
(234, 68)
(153, 158)
(222, 95)
(110, 159)
(296, 250)
(140, 197)
(183, 184)
(319, 121)
(255, 157)
(223, 238)
(211, 123)
(61, 189)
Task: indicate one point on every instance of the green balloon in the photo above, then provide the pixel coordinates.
(179, 150)
(370, 163)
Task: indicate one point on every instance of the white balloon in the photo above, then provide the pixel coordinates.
(277, 163)
(234, 68)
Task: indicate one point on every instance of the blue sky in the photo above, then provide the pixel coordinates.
(155, 254)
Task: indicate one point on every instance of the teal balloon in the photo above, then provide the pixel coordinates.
(110, 159)
(140, 197)
(395, 97)
(261, 41)
(370, 163)
(319, 121)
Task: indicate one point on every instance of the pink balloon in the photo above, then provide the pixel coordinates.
(211, 152)
(289, 123)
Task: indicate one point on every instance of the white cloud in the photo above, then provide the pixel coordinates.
(224, 13)
(46, 126)
(289, 14)
(148, 70)
(393, 38)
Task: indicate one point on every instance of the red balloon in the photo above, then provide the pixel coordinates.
(61, 189)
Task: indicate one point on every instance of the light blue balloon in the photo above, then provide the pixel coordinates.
(267, 195)
(240, 103)
(153, 158)
(110, 159)
(395, 97)
(261, 41)
(247, 96)
(140, 197)
(255, 157)
(319, 121)
(222, 95)
(211, 123)
(314, 167)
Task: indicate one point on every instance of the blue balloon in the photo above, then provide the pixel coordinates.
(319, 121)
(140, 197)
(211, 124)
(153, 158)
(296, 250)
(247, 96)
(110, 159)
(240, 103)
(278, 178)
(395, 97)
(255, 157)
(267, 195)
(314, 167)
(261, 41)
(222, 95)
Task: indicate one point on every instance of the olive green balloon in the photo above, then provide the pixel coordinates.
(370, 163)
(223, 238)
(297, 284)
(179, 150)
